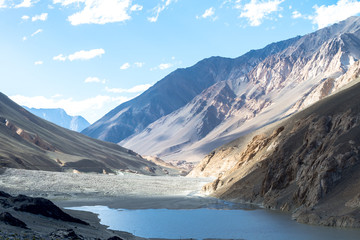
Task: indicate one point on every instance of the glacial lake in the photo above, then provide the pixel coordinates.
(214, 223)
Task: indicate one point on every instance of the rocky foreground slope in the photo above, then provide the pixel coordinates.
(29, 142)
(23, 217)
(308, 164)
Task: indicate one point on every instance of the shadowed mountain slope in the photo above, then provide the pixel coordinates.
(30, 142)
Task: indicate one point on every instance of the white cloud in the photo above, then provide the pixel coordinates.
(136, 7)
(139, 64)
(67, 2)
(326, 15)
(38, 62)
(2, 4)
(255, 11)
(91, 108)
(60, 57)
(80, 55)
(94, 80)
(36, 32)
(125, 66)
(296, 14)
(159, 8)
(135, 89)
(25, 3)
(98, 12)
(25, 17)
(164, 66)
(86, 55)
(24, 38)
(208, 13)
(41, 17)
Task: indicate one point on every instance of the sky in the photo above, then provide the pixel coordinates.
(89, 56)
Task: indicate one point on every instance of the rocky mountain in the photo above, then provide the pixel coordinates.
(61, 118)
(250, 92)
(308, 164)
(175, 91)
(29, 142)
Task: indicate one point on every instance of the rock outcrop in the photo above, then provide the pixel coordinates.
(24, 217)
(308, 164)
(9, 219)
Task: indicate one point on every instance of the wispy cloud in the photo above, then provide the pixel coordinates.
(134, 65)
(327, 15)
(209, 13)
(81, 55)
(159, 8)
(91, 108)
(136, 7)
(125, 66)
(25, 3)
(296, 14)
(41, 17)
(162, 66)
(38, 62)
(25, 17)
(99, 12)
(135, 89)
(94, 80)
(33, 34)
(60, 57)
(139, 64)
(256, 11)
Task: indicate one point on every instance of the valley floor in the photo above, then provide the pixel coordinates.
(129, 191)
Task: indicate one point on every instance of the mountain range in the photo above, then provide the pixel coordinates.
(194, 110)
(61, 118)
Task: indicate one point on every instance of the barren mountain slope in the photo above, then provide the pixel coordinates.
(310, 68)
(30, 142)
(174, 91)
(308, 164)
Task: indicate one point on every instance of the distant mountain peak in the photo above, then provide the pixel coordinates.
(61, 118)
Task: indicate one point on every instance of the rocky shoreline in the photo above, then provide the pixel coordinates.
(24, 217)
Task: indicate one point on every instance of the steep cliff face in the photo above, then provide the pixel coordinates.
(286, 81)
(308, 164)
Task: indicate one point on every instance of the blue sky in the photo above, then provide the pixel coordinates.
(88, 56)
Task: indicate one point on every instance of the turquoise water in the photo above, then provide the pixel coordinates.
(214, 223)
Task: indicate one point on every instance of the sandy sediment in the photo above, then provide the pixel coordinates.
(129, 191)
